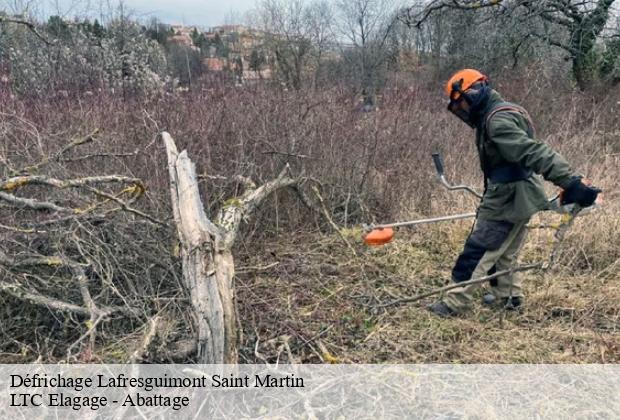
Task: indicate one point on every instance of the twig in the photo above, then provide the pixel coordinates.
(275, 152)
(243, 270)
(88, 301)
(21, 230)
(16, 182)
(331, 221)
(560, 233)
(126, 207)
(98, 155)
(146, 341)
(78, 142)
(40, 300)
(219, 177)
(465, 283)
(256, 352)
(31, 203)
(316, 336)
(91, 329)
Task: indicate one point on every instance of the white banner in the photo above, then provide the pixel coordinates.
(310, 391)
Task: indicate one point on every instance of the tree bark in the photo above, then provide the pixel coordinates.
(206, 251)
(208, 268)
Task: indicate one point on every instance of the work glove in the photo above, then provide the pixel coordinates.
(580, 193)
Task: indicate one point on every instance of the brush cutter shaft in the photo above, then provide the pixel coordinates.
(470, 190)
(426, 221)
(440, 174)
(554, 204)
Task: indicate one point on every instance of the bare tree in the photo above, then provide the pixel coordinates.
(319, 16)
(572, 25)
(297, 35)
(286, 36)
(366, 26)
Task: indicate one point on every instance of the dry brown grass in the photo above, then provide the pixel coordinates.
(318, 292)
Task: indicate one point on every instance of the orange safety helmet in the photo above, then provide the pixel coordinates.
(461, 81)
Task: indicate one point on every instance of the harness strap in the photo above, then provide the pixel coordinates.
(514, 171)
(507, 106)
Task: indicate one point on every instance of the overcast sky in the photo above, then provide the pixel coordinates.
(204, 13)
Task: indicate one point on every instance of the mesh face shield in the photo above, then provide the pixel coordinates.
(456, 108)
(475, 97)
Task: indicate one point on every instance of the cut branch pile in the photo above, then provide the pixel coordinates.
(59, 253)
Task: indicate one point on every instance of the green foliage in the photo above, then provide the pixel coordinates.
(158, 31)
(610, 61)
(200, 41)
(221, 49)
(257, 60)
(195, 35)
(183, 63)
(58, 28)
(97, 29)
(233, 38)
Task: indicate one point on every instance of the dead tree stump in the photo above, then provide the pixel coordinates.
(206, 251)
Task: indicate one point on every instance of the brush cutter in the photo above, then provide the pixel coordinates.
(382, 234)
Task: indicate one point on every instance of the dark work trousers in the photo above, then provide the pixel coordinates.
(492, 246)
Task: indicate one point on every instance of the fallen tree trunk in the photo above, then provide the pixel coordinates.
(206, 251)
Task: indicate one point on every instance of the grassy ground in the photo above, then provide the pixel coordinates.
(313, 301)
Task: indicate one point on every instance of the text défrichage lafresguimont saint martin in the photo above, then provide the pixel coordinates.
(103, 382)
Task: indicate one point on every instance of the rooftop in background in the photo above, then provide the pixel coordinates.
(229, 28)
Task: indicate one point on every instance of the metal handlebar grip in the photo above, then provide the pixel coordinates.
(438, 163)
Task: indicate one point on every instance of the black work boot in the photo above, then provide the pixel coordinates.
(512, 303)
(439, 308)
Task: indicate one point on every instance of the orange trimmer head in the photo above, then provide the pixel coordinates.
(379, 236)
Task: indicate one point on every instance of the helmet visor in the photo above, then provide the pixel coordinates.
(455, 107)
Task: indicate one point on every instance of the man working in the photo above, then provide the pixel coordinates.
(510, 158)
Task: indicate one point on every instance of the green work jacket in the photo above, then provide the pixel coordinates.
(502, 140)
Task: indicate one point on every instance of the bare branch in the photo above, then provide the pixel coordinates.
(150, 334)
(465, 283)
(124, 206)
(78, 142)
(555, 43)
(417, 19)
(29, 25)
(332, 223)
(40, 300)
(31, 203)
(238, 209)
(14, 183)
(36, 298)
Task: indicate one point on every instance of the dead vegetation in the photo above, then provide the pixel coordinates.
(94, 274)
(325, 304)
